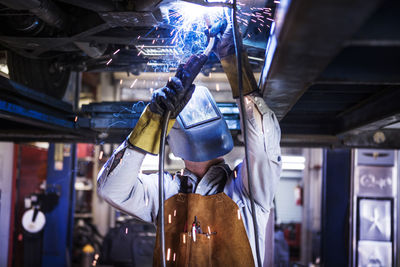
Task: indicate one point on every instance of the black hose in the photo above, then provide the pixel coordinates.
(238, 51)
(161, 196)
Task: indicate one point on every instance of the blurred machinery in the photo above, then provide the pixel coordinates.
(373, 227)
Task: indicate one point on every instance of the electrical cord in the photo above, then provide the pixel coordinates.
(238, 52)
(161, 196)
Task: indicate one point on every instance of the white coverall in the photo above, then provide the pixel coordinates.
(120, 184)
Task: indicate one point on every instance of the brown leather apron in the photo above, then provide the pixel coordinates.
(223, 241)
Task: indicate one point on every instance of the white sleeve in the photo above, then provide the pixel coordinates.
(265, 161)
(120, 184)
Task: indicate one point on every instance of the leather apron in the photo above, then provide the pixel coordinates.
(216, 237)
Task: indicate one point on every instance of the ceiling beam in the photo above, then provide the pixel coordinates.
(381, 110)
(307, 36)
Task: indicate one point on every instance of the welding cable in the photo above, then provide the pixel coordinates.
(164, 126)
(161, 196)
(238, 52)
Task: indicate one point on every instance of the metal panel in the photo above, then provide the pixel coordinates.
(335, 204)
(6, 181)
(375, 219)
(374, 181)
(373, 209)
(308, 36)
(372, 253)
(375, 157)
(57, 238)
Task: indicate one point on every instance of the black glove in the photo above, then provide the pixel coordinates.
(189, 71)
(173, 97)
(225, 45)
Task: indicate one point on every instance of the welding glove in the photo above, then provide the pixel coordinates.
(225, 50)
(173, 97)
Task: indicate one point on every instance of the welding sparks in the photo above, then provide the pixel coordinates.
(174, 257)
(133, 83)
(194, 233)
(108, 62)
(189, 22)
(101, 155)
(168, 254)
(116, 51)
(126, 230)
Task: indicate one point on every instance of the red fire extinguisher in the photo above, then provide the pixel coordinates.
(298, 195)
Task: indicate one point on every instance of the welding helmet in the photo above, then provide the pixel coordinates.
(200, 132)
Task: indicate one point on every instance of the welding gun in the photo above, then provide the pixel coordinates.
(192, 68)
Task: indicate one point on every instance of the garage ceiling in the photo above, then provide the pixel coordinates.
(331, 75)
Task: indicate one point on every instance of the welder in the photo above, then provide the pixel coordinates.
(208, 218)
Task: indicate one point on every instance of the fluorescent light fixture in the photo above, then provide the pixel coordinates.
(156, 64)
(4, 68)
(293, 163)
(156, 50)
(293, 159)
(293, 166)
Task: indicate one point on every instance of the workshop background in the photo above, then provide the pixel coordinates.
(76, 75)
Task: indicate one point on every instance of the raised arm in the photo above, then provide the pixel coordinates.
(263, 129)
(263, 135)
(119, 182)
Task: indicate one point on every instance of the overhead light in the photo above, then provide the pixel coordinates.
(293, 166)
(4, 68)
(293, 159)
(293, 163)
(156, 50)
(156, 64)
